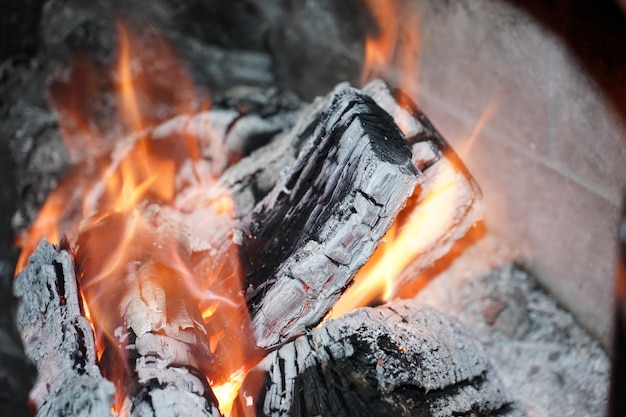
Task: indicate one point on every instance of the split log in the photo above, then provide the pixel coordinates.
(250, 180)
(156, 346)
(445, 182)
(396, 360)
(305, 241)
(58, 339)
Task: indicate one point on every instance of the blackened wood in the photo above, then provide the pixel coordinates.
(156, 345)
(444, 175)
(58, 339)
(307, 239)
(250, 180)
(402, 359)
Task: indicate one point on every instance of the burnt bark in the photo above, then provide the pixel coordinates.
(444, 178)
(303, 243)
(58, 338)
(156, 347)
(250, 180)
(402, 359)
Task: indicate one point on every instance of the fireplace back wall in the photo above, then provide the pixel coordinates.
(549, 78)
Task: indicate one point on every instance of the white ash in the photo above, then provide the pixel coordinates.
(545, 359)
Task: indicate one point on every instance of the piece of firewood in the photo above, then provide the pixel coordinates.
(58, 339)
(303, 243)
(156, 345)
(401, 359)
(445, 182)
(250, 180)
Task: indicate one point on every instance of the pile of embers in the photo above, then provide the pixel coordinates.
(225, 286)
(211, 264)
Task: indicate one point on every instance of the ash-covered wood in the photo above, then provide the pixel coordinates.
(445, 178)
(303, 243)
(397, 360)
(58, 338)
(156, 346)
(250, 180)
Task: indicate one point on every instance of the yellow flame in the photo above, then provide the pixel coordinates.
(227, 391)
(377, 280)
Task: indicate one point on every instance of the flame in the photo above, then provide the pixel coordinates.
(377, 279)
(124, 208)
(491, 107)
(393, 48)
(227, 392)
(380, 46)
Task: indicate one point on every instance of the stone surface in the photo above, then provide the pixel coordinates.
(549, 152)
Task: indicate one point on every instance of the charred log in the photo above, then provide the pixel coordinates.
(397, 360)
(156, 347)
(255, 176)
(303, 243)
(445, 178)
(58, 339)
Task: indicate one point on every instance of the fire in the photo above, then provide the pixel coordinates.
(377, 279)
(124, 205)
(380, 46)
(130, 203)
(393, 47)
(393, 51)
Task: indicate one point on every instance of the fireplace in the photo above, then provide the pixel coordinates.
(529, 101)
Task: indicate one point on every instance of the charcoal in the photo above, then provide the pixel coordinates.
(306, 239)
(251, 180)
(444, 177)
(154, 331)
(402, 359)
(58, 338)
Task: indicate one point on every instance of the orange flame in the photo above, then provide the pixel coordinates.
(125, 203)
(380, 47)
(377, 280)
(393, 49)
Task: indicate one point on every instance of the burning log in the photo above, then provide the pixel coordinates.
(151, 323)
(444, 178)
(250, 180)
(17, 372)
(304, 242)
(58, 338)
(397, 360)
